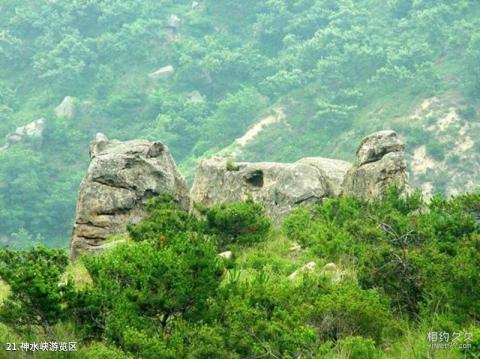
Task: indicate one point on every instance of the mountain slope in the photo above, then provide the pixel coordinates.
(338, 69)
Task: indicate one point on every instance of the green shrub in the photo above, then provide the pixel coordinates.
(100, 351)
(436, 150)
(37, 294)
(146, 286)
(348, 310)
(358, 348)
(473, 351)
(165, 218)
(231, 166)
(421, 256)
(238, 223)
(269, 316)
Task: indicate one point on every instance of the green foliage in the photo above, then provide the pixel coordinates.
(436, 150)
(231, 166)
(420, 256)
(38, 296)
(148, 285)
(328, 64)
(241, 223)
(165, 219)
(403, 268)
(348, 310)
(100, 351)
(358, 348)
(472, 74)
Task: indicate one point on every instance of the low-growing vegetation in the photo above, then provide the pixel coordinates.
(388, 272)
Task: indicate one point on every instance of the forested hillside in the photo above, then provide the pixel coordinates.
(197, 75)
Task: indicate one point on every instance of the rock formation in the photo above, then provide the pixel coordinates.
(162, 73)
(281, 186)
(66, 108)
(307, 268)
(122, 176)
(278, 186)
(380, 163)
(30, 133)
(174, 22)
(333, 170)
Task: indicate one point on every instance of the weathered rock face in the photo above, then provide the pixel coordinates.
(380, 163)
(278, 186)
(122, 176)
(333, 170)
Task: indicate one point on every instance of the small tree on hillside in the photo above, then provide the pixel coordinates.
(37, 296)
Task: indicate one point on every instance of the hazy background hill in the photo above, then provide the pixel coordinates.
(197, 75)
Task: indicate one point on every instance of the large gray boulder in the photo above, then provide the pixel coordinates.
(278, 186)
(122, 176)
(380, 163)
(333, 170)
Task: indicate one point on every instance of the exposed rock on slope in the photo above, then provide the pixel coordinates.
(380, 163)
(66, 108)
(444, 156)
(333, 170)
(30, 133)
(122, 176)
(280, 186)
(162, 73)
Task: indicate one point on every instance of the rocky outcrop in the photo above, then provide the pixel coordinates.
(380, 163)
(307, 268)
(174, 22)
(278, 186)
(31, 133)
(67, 108)
(122, 176)
(333, 170)
(162, 73)
(281, 186)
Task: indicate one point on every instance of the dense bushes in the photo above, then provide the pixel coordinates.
(238, 223)
(401, 266)
(419, 254)
(37, 298)
(141, 289)
(242, 223)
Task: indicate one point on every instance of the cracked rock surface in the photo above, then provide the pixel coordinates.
(282, 186)
(380, 163)
(122, 176)
(278, 186)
